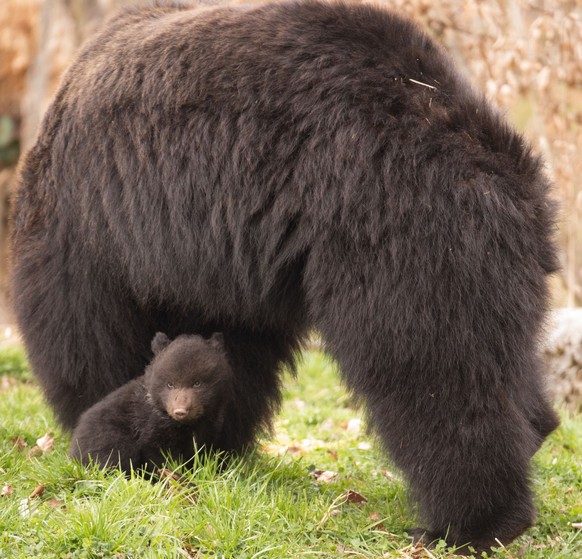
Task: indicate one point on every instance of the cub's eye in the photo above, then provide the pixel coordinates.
(170, 385)
(196, 383)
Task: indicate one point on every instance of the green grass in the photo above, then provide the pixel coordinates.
(267, 505)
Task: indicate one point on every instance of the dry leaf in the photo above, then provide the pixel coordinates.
(325, 476)
(7, 490)
(354, 425)
(34, 452)
(301, 447)
(333, 454)
(165, 473)
(294, 449)
(38, 491)
(55, 503)
(299, 404)
(376, 517)
(210, 530)
(577, 525)
(354, 497)
(191, 497)
(45, 443)
(388, 474)
(191, 551)
(23, 508)
(27, 507)
(19, 443)
(6, 383)
(414, 552)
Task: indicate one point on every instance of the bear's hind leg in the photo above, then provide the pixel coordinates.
(467, 464)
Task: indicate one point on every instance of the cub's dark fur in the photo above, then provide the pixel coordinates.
(183, 394)
(262, 171)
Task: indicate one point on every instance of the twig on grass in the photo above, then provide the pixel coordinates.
(337, 502)
(504, 549)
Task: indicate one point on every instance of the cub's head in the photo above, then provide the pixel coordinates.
(189, 377)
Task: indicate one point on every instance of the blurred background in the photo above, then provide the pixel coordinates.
(526, 55)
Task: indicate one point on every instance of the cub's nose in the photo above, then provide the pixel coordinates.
(180, 413)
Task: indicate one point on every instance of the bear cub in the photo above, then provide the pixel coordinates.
(181, 396)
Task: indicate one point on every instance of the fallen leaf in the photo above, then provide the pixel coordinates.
(165, 473)
(328, 424)
(354, 497)
(55, 503)
(325, 476)
(191, 498)
(7, 382)
(191, 551)
(577, 525)
(294, 449)
(7, 490)
(38, 491)
(34, 452)
(26, 507)
(333, 454)
(19, 443)
(376, 517)
(364, 445)
(210, 530)
(354, 425)
(388, 474)
(23, 508)
(45, 443)
(413, 552)
(311, 443)
(299, 404)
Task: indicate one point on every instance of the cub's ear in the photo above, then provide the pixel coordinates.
(217, 341)
(159, 342)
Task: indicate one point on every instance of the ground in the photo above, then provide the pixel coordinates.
(317, 488)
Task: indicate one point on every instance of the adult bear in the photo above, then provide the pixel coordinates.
(261, 171)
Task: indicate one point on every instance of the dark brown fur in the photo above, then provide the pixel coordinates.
(181, 398)
(262, 171)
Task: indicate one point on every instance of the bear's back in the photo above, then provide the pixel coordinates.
(236, 57)
(249, 140)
